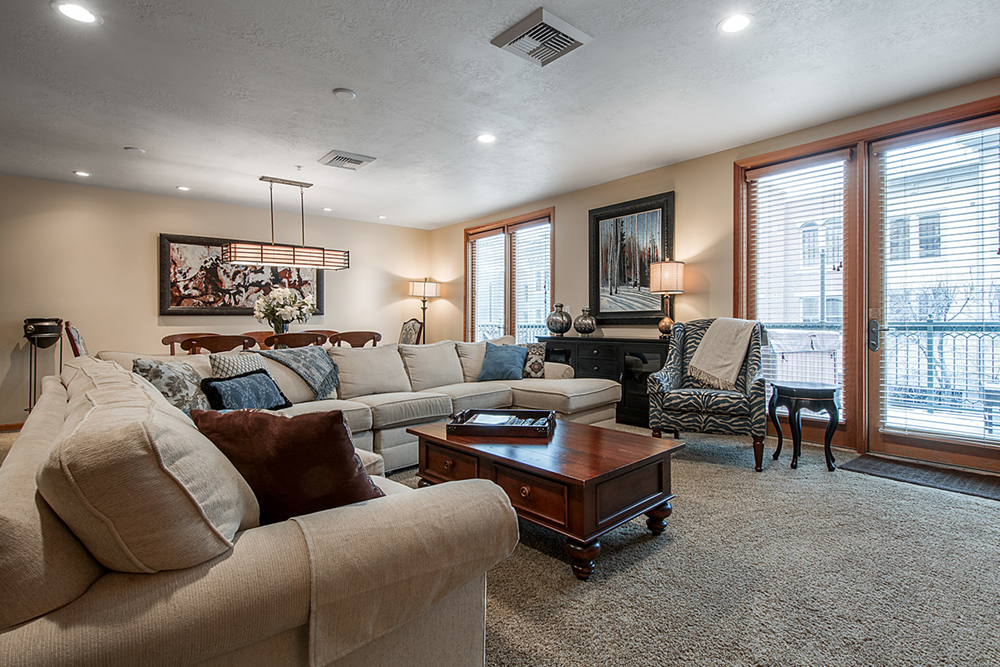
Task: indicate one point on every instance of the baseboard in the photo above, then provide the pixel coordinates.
(11, 427)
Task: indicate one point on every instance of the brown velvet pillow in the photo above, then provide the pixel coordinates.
(295, 465)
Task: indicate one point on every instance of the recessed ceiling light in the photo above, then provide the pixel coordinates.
(81, 173)
(135, 149)
(486, 138)
(344, 93)
(381, 217)
(327, 209)
(735, 23)
(77, 13)
(183, 187)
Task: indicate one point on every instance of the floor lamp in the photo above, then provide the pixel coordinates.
(425, 289)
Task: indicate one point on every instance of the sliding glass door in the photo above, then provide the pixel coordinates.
(935, 292)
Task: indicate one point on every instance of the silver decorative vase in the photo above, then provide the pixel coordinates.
(585, 324)
(558, 321)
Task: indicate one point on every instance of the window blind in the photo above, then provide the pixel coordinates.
(796, 269)
(486, 297)
(938, 210)
(530, 288)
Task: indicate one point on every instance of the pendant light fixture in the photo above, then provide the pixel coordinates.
(282, 254)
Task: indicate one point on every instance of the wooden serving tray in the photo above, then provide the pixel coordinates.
(538, 423)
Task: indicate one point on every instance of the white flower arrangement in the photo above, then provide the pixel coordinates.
(282, 306)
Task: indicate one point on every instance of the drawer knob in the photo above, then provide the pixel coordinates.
(596, 352)
(595, 368)
(525, 491)
(448, 464)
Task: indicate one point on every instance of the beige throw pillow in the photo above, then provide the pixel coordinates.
(430, 366)
(140, 486)
(370, 370)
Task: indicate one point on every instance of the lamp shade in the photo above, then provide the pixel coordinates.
(666, 277)
(425, 289)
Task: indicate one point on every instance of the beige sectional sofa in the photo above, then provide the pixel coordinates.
(127, 539)
(386, 389)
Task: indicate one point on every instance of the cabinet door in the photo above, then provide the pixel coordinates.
(638, 361)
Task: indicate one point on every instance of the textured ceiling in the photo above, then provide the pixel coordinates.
(221, 92)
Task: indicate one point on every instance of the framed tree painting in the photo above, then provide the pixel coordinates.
(195, 281)
(624, 240)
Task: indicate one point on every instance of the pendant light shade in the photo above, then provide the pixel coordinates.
(283, 254)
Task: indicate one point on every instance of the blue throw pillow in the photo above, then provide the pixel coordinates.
(249, 391)
(503, 362)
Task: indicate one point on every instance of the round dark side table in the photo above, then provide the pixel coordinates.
(813, 396)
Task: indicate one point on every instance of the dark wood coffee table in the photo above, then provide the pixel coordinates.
(582, 482)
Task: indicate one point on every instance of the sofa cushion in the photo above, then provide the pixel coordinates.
(565, 396)
(481, 395)
(140, 486)
(370, 370)
(199, 362)
(253, 390)
(502, 362)
(43, 566)
(358, 415)
(402, 408)
(431, 365)
(295, 464)
(710, 401)
(179, 383)
(471, 355)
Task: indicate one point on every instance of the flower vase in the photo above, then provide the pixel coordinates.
(280, 326)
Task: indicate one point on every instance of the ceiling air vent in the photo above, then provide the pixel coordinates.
(541, 38)
(345, 160)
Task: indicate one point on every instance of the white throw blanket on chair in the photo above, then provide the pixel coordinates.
(719, 357)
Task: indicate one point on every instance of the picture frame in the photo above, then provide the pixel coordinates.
(625, 239)
(194, 280)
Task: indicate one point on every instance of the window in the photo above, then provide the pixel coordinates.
(899, 239)
(810, 243)
(800, 304)
(509, 278)
(930, 235)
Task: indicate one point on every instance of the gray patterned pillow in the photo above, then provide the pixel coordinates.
(176, 380)
(231, 365)
(534, 363)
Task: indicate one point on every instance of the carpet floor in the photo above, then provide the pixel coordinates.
(779, 568)
(949, 479)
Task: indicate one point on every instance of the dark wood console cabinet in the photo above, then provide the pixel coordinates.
(628, 361)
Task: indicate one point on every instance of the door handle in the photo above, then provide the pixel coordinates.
(873, 334)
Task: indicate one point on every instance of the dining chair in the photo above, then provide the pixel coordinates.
(217, 343)
(325, 332)
(174, 339)
(356, 338)
(261, 337)
(410, 333)
(76, 342)
(298, 339)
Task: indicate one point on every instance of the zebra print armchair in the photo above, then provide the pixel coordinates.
(678, 403)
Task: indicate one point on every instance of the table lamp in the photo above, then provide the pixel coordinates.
(666, 278)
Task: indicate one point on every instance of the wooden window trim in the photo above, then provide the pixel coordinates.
(505, 226)
(856, 230)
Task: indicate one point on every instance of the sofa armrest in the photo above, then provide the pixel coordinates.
(257, 589)
(265, 584)
(556, 371)
(385, 562)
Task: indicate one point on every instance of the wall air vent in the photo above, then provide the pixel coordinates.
(346, 160)
(541, 38)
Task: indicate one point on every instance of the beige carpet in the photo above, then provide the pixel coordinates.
(783, 567)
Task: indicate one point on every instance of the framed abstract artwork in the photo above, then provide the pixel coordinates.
(195, 281)
(624, 240)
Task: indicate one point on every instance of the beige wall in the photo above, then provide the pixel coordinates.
(90, 255)
(704, 220)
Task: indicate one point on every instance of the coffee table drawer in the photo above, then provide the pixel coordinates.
(449, 464)
(543, 498)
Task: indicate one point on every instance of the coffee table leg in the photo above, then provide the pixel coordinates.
(657, 521)
(583, 556)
